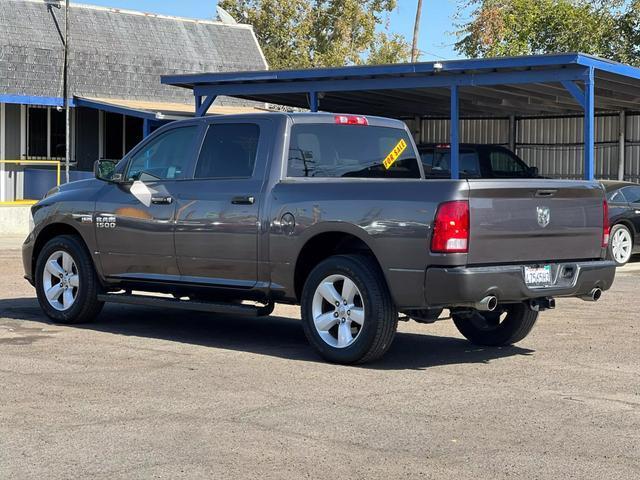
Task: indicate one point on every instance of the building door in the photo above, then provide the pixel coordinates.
(134, 220)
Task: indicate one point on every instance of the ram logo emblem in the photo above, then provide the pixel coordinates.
(544, 216)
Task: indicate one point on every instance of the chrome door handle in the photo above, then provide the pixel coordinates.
(243, 200)
(162, 200)
(546, 193)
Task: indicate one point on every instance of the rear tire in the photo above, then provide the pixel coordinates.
(348, 315)
(66, 282)
(507, 325)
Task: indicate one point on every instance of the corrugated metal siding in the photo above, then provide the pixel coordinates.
(565, 161)
(554, 145)
(471, 131)
(566, 130)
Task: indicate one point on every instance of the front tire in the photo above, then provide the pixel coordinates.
(66, 282)
(507, 325)
(348, 315)
(621, 244)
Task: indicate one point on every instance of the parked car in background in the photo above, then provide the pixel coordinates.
(476, 161)
(624, 218)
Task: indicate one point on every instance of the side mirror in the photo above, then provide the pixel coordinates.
(106, 170)
(533, 171)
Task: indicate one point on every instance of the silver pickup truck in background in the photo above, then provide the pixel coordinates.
(332, 212)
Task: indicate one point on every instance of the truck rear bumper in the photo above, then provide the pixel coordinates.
(453, 286)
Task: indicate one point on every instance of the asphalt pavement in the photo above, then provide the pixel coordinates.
(149, 393)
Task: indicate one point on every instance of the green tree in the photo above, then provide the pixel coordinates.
(607, 28)
(389, 49)
(321, 33)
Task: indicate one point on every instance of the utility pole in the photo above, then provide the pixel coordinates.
(415, 53)
(65, 79)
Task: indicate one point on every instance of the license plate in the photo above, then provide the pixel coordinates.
(537, 276)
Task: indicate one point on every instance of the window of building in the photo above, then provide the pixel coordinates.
(120, 134)
(45, 133)
(132, 133)
(229, 151)
(37, 132)
(57, 133)
(113, 136)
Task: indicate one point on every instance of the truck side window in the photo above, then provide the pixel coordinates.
(504, 164)
(164, 157)
(437, 164)
(632, 194)
(229, 151)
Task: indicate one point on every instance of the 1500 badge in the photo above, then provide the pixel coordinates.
(106, 222)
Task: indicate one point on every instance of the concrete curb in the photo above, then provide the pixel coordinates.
(14, 220)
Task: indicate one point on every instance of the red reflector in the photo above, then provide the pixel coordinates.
(351, 120)
(443, 145)
(606, 228)
(451, 228)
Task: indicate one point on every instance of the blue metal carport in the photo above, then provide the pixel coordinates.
(523, 86)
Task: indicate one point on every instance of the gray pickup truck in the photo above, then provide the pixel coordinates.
(332, 212)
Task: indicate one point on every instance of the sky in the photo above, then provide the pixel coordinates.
(436, 28)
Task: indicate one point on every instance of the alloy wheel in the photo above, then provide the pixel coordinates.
(621, 246)
(61, 280)
(338, 311)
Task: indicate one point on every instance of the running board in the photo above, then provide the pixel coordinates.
(245, 310)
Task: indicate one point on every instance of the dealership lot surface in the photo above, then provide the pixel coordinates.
(147, 393)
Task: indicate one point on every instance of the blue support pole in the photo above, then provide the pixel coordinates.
(146, 128)
(313, 101)
(198, 102)
(589, 120)
(454, 140)
(204, 106)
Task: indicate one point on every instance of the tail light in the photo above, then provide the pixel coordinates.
(606, 228)
(451, 228)
(351, 120)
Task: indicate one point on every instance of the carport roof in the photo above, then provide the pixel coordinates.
(521, 86)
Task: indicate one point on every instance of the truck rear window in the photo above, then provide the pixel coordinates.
(328, 150)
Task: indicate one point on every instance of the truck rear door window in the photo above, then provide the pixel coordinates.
(229, 151)
(329, 150)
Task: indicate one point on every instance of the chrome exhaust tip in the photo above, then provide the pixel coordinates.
(487, 304)
(593, 296)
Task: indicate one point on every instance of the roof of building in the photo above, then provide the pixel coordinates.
(528, 85)
(160, 110)
(114, 53)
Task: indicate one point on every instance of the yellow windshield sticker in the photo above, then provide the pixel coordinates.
(395, 154)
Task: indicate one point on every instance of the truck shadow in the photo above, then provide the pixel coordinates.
(273, 336)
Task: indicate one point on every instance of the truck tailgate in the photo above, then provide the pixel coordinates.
(534, 220)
